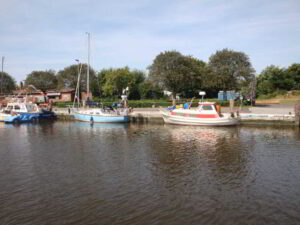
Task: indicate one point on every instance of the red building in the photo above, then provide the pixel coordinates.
(63, 95)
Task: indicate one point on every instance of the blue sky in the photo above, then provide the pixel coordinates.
(44, 34)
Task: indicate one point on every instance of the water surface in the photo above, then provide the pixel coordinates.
(75, 173)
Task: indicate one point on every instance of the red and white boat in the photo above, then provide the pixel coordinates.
(206, 114)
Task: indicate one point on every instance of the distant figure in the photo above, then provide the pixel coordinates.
(69, 110)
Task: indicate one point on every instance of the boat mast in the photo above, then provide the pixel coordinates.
(88, 68)
(77, 91)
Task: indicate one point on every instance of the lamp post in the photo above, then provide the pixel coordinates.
(77, 60)
(77, 93)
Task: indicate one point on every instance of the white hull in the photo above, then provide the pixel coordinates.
(185, 120)
(3, 116)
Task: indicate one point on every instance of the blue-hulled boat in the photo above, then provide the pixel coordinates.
(97, 115)
(101, 115)
(22, 117)
(18, 112)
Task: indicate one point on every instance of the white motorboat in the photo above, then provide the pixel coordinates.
(206, 114)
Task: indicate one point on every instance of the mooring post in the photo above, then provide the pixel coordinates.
(297, 112)
(231, 105)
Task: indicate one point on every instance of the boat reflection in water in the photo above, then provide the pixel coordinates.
(100, 129)
(100, 125)
(201, 136)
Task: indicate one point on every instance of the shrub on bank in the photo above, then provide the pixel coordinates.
(62, 104)
(166, 103)
(272, 95)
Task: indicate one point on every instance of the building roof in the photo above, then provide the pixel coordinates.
(27, 91)
(63, 90)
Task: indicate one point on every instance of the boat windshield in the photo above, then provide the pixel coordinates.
(207, 107)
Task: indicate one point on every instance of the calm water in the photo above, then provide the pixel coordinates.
(74, 173)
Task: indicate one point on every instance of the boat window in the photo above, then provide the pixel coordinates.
(207, 107)
(17, 107)
(10, 107)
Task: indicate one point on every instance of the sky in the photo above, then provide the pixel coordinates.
(39, 35)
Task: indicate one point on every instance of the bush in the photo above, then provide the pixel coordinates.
(166, 103)
(145, 103)
(272, 95)
(62, 104)
(296, 92)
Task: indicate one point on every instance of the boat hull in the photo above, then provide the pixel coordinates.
(192, 121)
(28, 117)
(101, 118)
(3, 116)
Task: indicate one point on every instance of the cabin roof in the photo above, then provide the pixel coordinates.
(207, 103)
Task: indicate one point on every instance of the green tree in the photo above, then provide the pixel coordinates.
(280, 78)
(197, 73)
(229, 70)
(149, 91)
(294, 73)
(7, 83)
(42, 80)
(273, 78)
(264, 81)
(101, 79)
(67, 78)
(113, 81)
(138, 77)
(176, 73)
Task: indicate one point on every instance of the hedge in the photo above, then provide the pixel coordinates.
(149, 103)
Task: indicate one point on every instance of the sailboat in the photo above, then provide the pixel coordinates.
(97, 115)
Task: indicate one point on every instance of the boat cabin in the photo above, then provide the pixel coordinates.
(204, 110)
(21, 107)
(206, 114)
(209, 107)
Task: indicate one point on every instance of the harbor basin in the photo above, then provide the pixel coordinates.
(139, 173)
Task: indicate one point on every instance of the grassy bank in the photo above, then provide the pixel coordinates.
(286, 97)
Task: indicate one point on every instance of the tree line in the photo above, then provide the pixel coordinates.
(172, 71)
(274, 80)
